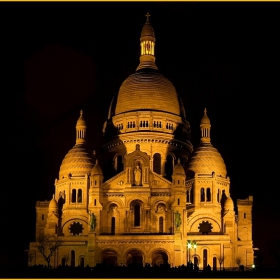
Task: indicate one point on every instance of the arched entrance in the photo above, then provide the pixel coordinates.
(214, 263)
(205, 260)
(159, 258)
(196, 260)
(109, 258)
(134, 257)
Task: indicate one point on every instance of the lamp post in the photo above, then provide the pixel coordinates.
(195, 245)
(190, 245)
(254, 249)
(189, 249)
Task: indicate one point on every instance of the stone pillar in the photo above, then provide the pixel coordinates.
(91, 248)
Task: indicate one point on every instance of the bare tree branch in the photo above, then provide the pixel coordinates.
(48, 244)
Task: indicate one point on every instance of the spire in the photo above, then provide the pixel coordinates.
(81, 129)
(147, 44)
(205, 126)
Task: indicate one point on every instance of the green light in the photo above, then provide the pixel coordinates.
(189, 245)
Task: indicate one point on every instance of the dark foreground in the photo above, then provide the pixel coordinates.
(131, 272)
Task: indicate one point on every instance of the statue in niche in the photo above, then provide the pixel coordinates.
(178, 220)
(137, 175)
(92, 222)
(161, 208)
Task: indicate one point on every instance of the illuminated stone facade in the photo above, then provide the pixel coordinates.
(151, 198)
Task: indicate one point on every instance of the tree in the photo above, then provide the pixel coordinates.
(47, 245)
(221, 259)
(66, 258)
(30, 257)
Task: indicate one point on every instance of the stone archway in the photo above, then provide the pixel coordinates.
(159, 258)
(109, 258)
(134, 257)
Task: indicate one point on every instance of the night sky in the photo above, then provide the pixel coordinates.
(59, 58)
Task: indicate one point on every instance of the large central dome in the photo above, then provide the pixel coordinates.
(147, 90)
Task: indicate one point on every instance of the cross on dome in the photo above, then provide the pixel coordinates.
(147, 15)
(205, 111)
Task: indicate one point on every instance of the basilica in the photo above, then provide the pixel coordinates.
(155, 200)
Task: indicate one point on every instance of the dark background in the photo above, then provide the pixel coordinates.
(59, 58)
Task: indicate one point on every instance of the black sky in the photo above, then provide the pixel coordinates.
(59, 58)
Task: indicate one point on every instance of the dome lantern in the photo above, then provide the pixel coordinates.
(81, 129)
(205, 126)
(147, 46)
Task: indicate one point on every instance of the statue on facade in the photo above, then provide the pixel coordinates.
(92, 222)
(137, 175)
(178, 220)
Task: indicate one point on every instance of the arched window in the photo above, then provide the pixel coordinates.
(191, 196)
(218, 196)
(118, 163)
(169, 167)
(161, 224)
(157, 163)
(82, 262)
(79, 196)
(208, 194)
(136, 215)
(178, 201)
(202, 195)
(113, 225)
(74, 192)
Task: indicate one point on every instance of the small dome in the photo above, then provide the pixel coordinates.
(53, 204)
(147, 30)
(77, 162)
(179, 169)
(205, 119)
(81, 121)
(96, 170)
(229, 204)
(206, 160)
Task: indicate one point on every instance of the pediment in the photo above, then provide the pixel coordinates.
(157, 180)
(137, 156)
